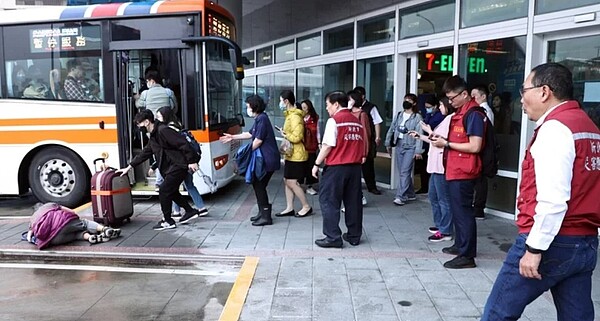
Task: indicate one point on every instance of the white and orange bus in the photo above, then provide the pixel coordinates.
(50, 134)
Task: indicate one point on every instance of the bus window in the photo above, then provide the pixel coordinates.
(54, 61)
(222, 87)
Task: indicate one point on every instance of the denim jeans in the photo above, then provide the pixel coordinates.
(566, 270)
(405, 159)
(188, 182)
(439, 197)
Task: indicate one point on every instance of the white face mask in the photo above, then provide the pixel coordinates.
(350, 104)
(282, 105)
(249, 112)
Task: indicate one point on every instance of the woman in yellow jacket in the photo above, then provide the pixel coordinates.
(295, 165)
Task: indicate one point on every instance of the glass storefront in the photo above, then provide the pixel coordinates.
(427, 20)
(338, 39)
(284, 52)
(481, 12)
(545, 6)
(376, 30)
(582, 57)
(264, 56)
(310, 86)
(377, 76)
(309, 46)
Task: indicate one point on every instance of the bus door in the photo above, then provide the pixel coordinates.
(132, 60)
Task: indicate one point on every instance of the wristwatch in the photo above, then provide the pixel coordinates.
(532, 250)
(447, 144)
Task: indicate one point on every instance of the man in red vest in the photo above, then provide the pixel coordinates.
(342, 151)
(558, 207)
(463, 167)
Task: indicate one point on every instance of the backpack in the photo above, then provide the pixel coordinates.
(311, 143)
(190, 139)
(490, 148)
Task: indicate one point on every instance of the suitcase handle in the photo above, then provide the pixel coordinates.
(103, 160)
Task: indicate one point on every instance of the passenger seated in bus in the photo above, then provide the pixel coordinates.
(36, 88)
(156, 96)
(56, 87)
(19, 80)
(75, 86)
(53, 224)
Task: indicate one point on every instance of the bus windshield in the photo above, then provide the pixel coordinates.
(224, 111)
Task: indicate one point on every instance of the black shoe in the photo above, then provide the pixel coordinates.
(189, 216)
(452, 250)
(375, 191)
(460, 262)
(162, 225)
(265, 216)
(352, 242)
(308, 213)
(324, 243)
(290, 213)
(479, 214)
(255, 217)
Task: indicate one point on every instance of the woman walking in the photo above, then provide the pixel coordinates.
(263, 137)
(311, 142)
(294, 168)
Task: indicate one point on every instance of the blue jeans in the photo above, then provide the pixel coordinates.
(405, 159)
(566, 270)
(188, 182)
(439, 197)
(461, 205)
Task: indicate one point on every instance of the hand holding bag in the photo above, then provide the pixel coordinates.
(286, 148)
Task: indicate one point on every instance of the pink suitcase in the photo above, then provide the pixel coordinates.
(112, 203)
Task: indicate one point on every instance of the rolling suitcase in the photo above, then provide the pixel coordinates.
(112, 203)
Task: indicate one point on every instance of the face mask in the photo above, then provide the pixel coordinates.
(249, 112)
(350, 104)
(282, 105)
(429, 110)
(407, 105)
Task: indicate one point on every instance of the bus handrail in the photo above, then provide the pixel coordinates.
(235, 52)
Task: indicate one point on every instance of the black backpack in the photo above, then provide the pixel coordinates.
(190, 139)
(490, 148)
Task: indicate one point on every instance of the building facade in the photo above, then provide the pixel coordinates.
(397, 47)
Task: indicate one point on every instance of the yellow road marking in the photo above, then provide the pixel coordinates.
(239, 291)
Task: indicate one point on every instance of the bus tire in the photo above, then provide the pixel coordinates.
(58, 175)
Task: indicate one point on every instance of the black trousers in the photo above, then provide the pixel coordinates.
(169, 193)
(481, 191)
(368, 173)
(341, 183)
(421, 170)
(260, 189)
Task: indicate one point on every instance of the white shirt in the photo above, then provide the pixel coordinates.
(488, 111)
(330, 134)
(554, 153)
(375, 115)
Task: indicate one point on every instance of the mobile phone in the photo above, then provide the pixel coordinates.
(277, 127)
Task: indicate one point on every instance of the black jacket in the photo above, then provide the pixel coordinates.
(172, 151)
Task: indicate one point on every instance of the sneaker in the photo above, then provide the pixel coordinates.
(311, 191)
(452, 250)
(398, 202)
(439, 237)
(460, 262)
(157, 188)
(343, 209)
(479, 214)
(176, 214)
(202, 212)
(433, 229)
(189, 216)
(110, 233)
(364, 201)
(162, 225)
(412, 198)
(97, 238)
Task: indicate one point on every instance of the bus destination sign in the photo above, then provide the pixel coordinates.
(61, 39)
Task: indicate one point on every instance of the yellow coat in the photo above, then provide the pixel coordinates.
(294, 132)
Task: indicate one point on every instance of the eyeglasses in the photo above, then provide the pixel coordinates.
(454, 97)
(523, 90)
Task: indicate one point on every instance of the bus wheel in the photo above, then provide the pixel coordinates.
(58, 175)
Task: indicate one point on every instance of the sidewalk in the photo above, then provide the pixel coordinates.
(394, 274)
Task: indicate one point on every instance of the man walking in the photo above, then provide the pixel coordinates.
(175, 160)
(480, 93)
(375, 120)
(342, 152)
(558, 210)
(463, 144)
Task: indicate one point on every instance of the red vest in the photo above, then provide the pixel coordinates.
(349, 148)
(583, 209)
(461, 165)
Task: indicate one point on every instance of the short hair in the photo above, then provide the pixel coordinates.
(356, 96)
(482, 89)
(153, 75)
(256, 103)
(361, 90)
(556, 76)
(432, 100)
(454, 84)
(412, 97)
(145, 114)
(73, 63)
(339, 97)
(289, 95)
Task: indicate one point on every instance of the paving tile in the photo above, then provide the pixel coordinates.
(456, 307)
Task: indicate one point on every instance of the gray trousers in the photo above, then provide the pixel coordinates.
(74, 231)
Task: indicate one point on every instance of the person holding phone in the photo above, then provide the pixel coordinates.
(407, 150)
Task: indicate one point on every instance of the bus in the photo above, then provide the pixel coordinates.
(70, 76)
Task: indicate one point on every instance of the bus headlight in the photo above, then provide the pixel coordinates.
(220, 161)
